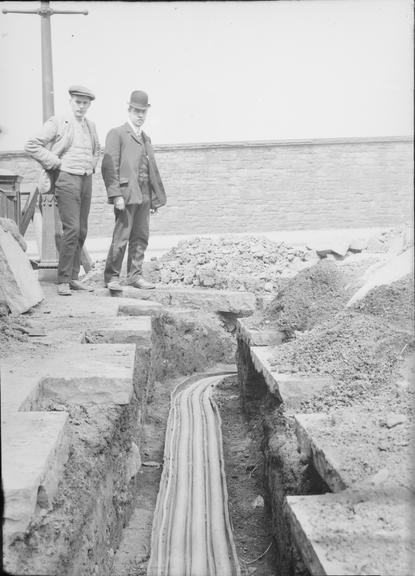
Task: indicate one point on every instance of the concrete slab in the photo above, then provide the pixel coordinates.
(19, 287)
(235, 302)
(18, 392)
(337, 246)
(122, 329)
(353, 532)
(74, 374)
(80, 304)
(35, 448)
(257, 337)
(350, 445)
(139, 307)
(90, 374)
(292, 389)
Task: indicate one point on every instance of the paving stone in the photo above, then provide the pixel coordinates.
(19, 287)
(35, 448)
(238, 303)
(90, 374)
(76, 374)
(337, 246)
(326, 461)
(291, 389)
(353, 532)
(18, 392)
(122, 330)
(139, 308)
(258, 337)
(323, 437)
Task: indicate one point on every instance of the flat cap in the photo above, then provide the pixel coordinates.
(77, 90)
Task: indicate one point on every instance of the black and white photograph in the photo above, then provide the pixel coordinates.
(207, 308)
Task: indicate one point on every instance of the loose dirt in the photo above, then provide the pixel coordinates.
(251, 263)
(308, 299)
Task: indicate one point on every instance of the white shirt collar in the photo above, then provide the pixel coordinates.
(136, 131)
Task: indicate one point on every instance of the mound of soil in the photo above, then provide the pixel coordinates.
(250, 263)
(359, 351)
(394, 303)
(312, 296)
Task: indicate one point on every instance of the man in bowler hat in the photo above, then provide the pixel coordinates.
(135, 189)
(68, 150)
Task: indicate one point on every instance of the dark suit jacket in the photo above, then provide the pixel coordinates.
(120, 167)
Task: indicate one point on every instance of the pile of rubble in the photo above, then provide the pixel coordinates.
(252, 263)
(12, 328)
(359, 347)
(311, 297)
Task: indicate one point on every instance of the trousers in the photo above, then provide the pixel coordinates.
(132, 229)
(73, 196)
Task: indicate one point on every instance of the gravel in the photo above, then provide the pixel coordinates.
(252, 263)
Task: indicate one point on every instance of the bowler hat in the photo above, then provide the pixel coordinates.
(139, 99)
(81, 91)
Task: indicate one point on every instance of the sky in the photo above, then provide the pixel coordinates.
(218, 71)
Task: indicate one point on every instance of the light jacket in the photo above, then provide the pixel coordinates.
(120, 166)
(53, 140)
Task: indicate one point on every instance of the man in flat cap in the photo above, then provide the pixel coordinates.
(68, 149)
(135, 189)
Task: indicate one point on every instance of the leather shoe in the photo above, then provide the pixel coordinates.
(142, 284)
(77, 285)
(112, 280)
(64, 290)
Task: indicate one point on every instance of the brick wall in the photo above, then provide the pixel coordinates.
(264, 186)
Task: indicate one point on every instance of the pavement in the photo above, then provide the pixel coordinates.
(159, 244)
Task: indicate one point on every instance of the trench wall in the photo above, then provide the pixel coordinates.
(267, 186)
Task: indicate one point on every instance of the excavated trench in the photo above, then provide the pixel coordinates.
(221, 464)
(219, 459)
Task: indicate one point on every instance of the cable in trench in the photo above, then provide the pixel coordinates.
(192, 534)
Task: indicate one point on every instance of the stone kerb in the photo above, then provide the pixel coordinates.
(35, 444)
(320, 523)
(291, 389)
(206, 299)
(35, 448)
(90, 374)
(134, 330)
(122, 330)
(326, 461)
(379, 498)
(19, 287)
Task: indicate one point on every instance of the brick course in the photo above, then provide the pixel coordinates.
(268, 186)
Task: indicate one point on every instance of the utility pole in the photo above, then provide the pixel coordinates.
(51, 225)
